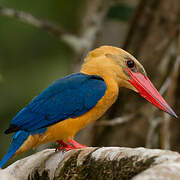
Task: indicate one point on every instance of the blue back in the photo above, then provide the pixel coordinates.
(68, 97)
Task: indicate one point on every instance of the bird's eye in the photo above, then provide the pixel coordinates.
(130, 63)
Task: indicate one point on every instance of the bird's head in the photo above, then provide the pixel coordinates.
(128, 72)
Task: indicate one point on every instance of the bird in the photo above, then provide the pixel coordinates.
(76, 100)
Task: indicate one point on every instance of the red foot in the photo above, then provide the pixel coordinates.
(72, 144)
(65, 146)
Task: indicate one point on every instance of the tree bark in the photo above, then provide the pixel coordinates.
(97, 163)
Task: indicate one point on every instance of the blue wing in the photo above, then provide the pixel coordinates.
(68, 97)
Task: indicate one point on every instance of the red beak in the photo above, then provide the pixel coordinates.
(149, 92)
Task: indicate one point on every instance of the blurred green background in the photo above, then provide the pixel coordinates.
(31, 58)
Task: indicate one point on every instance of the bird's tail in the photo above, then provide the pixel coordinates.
(17, 140)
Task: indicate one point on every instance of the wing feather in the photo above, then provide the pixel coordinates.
(68, 97)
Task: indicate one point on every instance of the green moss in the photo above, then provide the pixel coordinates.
(69, 168)
(92, 169)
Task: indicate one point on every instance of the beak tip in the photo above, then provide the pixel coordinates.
(175, 116)
(172, 113)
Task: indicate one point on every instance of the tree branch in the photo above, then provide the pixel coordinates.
(27, 18)
(115, 121)
(91, 23)
(97, 163)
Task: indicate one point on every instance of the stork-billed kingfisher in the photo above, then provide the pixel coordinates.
(73, 102)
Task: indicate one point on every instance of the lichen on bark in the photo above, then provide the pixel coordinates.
(96, 164)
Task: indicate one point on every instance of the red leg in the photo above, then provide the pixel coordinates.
(76, 145)
(72, 144)
(64, 146)
(61, 143)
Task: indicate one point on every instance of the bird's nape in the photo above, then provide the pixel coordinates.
(147, 90)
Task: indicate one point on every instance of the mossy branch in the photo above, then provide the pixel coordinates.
(97, 163)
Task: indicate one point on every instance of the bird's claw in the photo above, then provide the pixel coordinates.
(71, 145)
